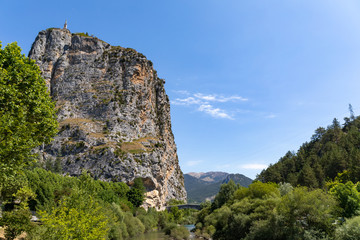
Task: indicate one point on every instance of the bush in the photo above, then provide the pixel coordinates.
(133, 225)
(74, 219)
(350, 230)
(168, 227)
(135, 196)
(180, 232)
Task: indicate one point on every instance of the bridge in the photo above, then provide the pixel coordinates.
(185, 206)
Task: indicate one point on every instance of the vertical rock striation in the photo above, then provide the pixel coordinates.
(113, 112)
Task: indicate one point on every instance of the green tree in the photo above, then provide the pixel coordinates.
(138, 184)
(177, 214)
(27, 115)
(74, 219)
(18, 219)
(303, 212)
(349, 230)
(307, 177)
(135, 196)
(348, 197)
(225, 194)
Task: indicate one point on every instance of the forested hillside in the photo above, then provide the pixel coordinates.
(329, 152)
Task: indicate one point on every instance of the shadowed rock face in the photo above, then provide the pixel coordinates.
(113, 112)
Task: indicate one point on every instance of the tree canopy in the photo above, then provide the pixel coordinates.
(27, 115)
(331, 151)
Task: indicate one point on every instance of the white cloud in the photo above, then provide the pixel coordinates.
(219, 98)
(193, 163)
(270, 116)
(186, 101)
(255, 166)
(215, 112)
(203, 102)
(182, 92)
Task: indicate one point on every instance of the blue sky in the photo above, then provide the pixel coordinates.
(248, 80)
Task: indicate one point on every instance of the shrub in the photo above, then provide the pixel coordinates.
(180, 232)
(168, 227)
(133, 225)
(74, 219)
(350, 230)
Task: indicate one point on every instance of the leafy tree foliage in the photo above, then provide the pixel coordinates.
(348, 196)
(27, 119)
(271, 212)
(138, 184)
(136, 194)
(51, 187)
(225, 193)
(349, 230)
(17, 220)
(68, 197)
(27, 115)
(84, 220)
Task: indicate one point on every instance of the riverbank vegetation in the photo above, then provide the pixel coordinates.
(279, 211)
(84, 208)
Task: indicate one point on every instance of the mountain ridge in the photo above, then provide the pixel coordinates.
(205, 185)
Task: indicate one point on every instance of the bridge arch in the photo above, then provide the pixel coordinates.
(185, 206)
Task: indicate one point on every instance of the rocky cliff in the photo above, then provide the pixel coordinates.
(113, 112)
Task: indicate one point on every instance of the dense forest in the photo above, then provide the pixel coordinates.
(330, 151)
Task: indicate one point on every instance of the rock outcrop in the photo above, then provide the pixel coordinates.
(113, 112)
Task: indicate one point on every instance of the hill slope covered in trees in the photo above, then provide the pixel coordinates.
(330, 151)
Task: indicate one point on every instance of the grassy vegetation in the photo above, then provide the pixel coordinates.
(86, 34)
(136, 146)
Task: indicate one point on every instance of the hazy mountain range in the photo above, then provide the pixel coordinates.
(204, 186)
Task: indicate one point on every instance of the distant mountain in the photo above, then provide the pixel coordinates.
(209, 176)
(204, 186)
(238, 179)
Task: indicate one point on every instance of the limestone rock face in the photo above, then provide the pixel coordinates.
(113, 112)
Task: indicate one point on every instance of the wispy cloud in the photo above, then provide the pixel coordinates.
(270, 116)
(193, 163)
(205, 103)
(255, 166)
(219, 98)
(186, 101)
(215, 112)
(183, 92)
